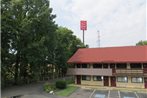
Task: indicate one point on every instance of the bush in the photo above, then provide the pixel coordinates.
(48, 87)
(61, 84)
(70, 81)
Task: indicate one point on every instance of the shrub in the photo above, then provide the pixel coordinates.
(48, 87)
(61, 84)
(70, 81)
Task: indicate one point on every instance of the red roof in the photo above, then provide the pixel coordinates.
(110, 55)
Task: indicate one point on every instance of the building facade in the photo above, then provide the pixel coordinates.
(112, 66)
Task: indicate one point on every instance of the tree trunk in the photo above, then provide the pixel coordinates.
(16, 70)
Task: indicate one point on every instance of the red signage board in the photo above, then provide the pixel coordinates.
(83, 25)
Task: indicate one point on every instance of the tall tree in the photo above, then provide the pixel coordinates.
(27, 32)
(31, 41)
(67, 44)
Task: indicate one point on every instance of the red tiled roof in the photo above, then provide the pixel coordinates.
(110, 55)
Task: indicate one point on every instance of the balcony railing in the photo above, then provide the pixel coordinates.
(145, 70)
(89, 71)
(129, 72)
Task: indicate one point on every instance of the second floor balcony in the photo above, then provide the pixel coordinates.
(136, 72)
(89, 71)
(129, 71)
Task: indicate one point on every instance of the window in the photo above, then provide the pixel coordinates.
(85, 66)
(137, 79)
(121, 65)
(122, 79)
(97, 78)
(78, 65)
(97, 65)
(105, 65)
(112, 65)
(144, 65)
(135, 65)
(88, 78)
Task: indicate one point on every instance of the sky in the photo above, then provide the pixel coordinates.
(120, 22)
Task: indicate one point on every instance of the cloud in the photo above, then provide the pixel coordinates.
(120, 22)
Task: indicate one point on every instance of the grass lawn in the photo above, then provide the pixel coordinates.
(66, 92)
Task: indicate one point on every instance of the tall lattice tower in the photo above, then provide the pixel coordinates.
(99, 43)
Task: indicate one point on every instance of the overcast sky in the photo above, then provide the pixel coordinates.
(120, 22)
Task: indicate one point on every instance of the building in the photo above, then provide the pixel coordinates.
(111, 66)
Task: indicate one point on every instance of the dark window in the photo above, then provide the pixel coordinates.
(105, 65)
(85, 66)
(87, 78)
(137, 80)
(122, 79)
(97, 65)
(112, 65)
(135, 65)
(121, 66)
(144, 65)
(78, 65)
(97, 78)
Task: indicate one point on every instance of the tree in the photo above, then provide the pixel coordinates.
(31, 41)
(142, 43)
(27, 37)
(66, 46)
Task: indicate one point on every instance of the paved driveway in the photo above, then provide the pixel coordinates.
(81, 93)
(26, 91)
(117, 94)
(100, 94)
(36, 91)
(35, 96)
(142, 95)
(128, 95)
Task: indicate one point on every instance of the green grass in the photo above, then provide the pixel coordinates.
(66, 92)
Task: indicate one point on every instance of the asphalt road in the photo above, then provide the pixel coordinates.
(117, 94)
(36, 91)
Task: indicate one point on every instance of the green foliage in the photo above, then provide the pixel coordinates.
(28, 30)
(67, 45)
(48, 87)
(61, 84)
(66, 92)
(31, 40)
(70, 81)
(142, 43)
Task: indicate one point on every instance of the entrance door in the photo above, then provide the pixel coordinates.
(145, 82)
(113, 81)
(145, 68)
(78, 79)
(106, 81)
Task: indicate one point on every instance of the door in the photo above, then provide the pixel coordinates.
(106, 81)
(145, 68)
(145, 82)
(113, 81)
(78, 79)
(112, 66)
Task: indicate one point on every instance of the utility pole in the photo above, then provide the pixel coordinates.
(99, 38)
(83, 37)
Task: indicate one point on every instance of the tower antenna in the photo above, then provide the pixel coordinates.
(99, 38)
